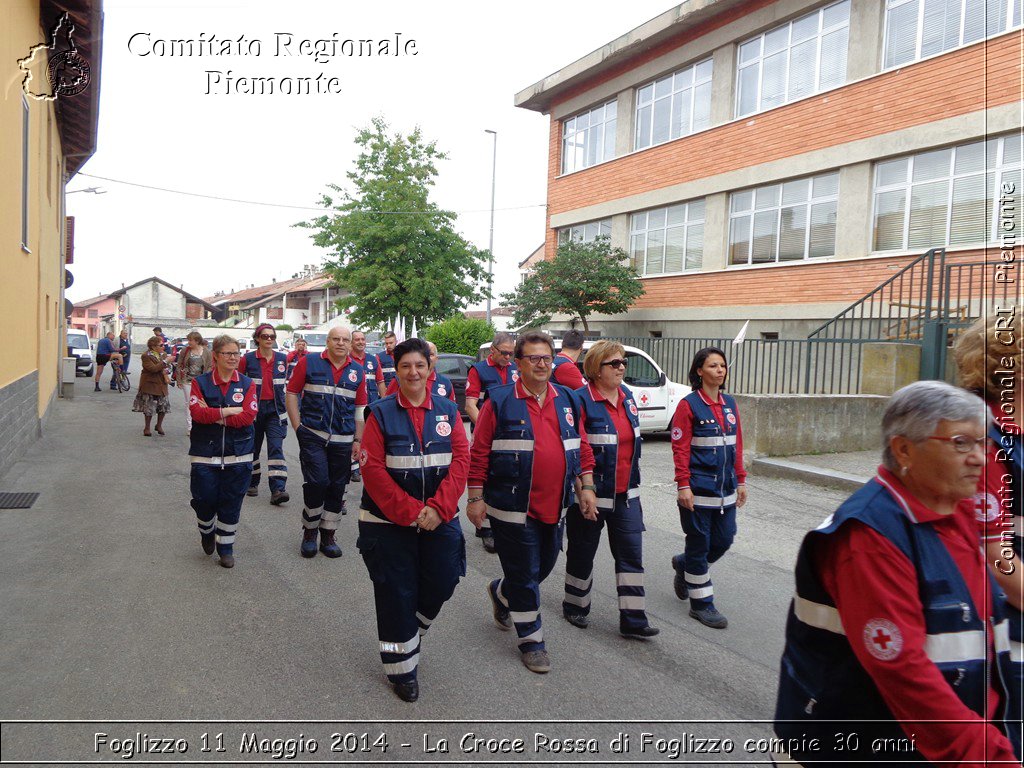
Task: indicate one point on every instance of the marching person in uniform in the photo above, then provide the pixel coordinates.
(223, 405)
(415, 459)
(328, 424)
(896, 621)
(369, 363)
(295, 355)
(612, 424)
(707, 449)
(268, 368)
(529, 461)
(385, 364)
(437, 384)
(566, 372)
(496, 370)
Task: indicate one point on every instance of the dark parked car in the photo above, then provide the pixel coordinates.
(456, 368)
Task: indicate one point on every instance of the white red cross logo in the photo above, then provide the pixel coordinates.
(644, 398)
(883, 639)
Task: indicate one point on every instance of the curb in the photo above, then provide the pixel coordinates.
(792, 470)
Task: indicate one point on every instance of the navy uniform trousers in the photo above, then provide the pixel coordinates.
(217, 495)
(527, 553)
(325, 469)
(709, 534)
(274, 427)
(414, 572)
(625, 539)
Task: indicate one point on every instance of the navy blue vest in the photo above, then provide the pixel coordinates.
(489, 378)
(604, 439)
(230, 445)
(416, 467)
(510, 470)
(387, 368)
(370, 366)
(327, 410)
(713, 453)
(821, 679)
(254, 371)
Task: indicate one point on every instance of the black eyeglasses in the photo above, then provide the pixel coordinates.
(268, 336)
(616, 363)
(963, 443)
(537, 359)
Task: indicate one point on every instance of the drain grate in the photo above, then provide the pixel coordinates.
(17, 500)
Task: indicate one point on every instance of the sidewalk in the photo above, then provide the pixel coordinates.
(845, 471)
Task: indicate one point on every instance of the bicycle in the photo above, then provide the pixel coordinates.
(121, 381)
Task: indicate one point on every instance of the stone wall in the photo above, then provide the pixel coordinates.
(20, 425)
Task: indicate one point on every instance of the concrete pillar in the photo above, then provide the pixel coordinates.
(625, 106)
(867, 24)
(723, 84)
(620, 231)
(853, 221)
(716, 232)
(888, 366)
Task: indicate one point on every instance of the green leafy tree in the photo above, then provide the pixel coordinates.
(583, 279)
(460, 335)
(390, 247)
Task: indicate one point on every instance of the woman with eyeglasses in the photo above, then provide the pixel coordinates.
(414, 461)
(707, 450)
(268, 368)
(612, 424)
(895, 628)
(223, 404)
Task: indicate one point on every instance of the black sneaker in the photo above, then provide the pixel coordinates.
(576, 619)
(408, 691)
(679, 582)
(278, 497)
(502, 617)
(709, 617)
(640, 633)
(97, 388)
(253, 491)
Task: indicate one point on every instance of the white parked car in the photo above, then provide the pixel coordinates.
(655, 394)
(316, 341)
(78, 342)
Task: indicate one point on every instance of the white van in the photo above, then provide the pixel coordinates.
(655, 394)
(78, 344)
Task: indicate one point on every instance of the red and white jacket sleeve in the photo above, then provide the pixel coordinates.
(480, 452)
(682, 432)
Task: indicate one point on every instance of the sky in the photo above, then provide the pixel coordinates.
(166, 123)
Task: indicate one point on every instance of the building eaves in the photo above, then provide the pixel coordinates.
(538, 249)
(89, 302)
(541, 95)
(188, 296)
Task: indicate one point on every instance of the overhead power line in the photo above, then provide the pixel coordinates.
(279, 205)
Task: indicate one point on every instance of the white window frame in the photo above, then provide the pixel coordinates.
(607, 125)
(997, 169)
(578, 232)
(1012, 6)
(758, 61)
(692, 218)
(692, 86)
(808, 203)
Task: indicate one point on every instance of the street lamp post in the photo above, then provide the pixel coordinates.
(490, 247)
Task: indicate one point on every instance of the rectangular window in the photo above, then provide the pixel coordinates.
(94, 313)
(805, 56)
(589, 138)
(675, 105)
(585, 233)
(948, 196)
(24, 172)
(915, 29)
(667, 241)
(789, 221)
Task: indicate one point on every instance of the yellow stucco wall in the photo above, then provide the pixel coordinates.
(31, 283)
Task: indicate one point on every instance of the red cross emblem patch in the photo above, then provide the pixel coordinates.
(644, 398)
(883, 639)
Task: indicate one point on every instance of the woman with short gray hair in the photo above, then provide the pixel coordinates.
(895, 621)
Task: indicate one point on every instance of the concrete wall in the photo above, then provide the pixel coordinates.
(154, 299)
(787, 425)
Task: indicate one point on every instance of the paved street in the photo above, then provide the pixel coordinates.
(112, 612)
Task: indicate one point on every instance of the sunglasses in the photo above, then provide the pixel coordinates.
(617, 363)
(503, 353)
(268, 336)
